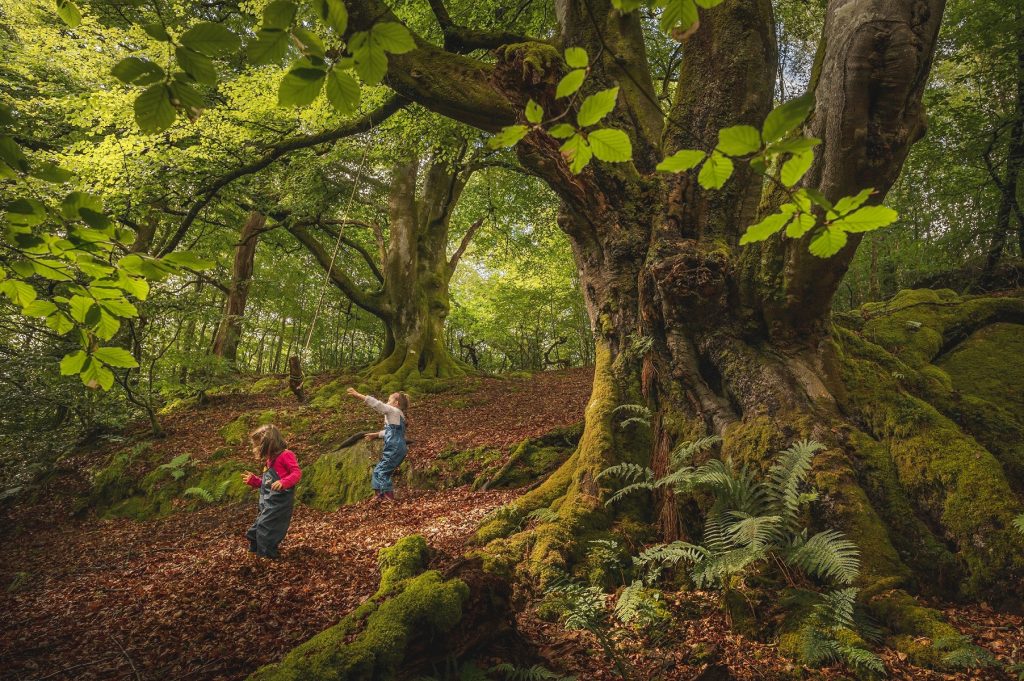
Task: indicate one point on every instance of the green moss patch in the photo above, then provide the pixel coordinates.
(371, 642)
(338, 478)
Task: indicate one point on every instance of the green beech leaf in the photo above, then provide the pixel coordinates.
(796, 167)
(188, 260)
(39, 308)
(136, 71)
(576, 57)
(107, 325)
(211, 39)
(153, 109)
(120, 308)
(95, 375)
(802, 223)
(681, 13)
(685, 159)
(75, 202)
(25, 212)
(708, 4)
(794, 145)
(12, 154)
(370, 61)
(716, 171)
(72, 363)
(739, 140)
(867, 219)
(342, 90)
(54, 270)
(68, 12)
(115, 357)
(570, 83)
(597, 106)
(81, 308)
(609, 144)
(764, 229)
(51, 172)
(59, 323)
(786, 118)
(279, 14)
(393, 37)
(828, 243)
(562, 131)
(577, 152)
(156, 31)
(301, 85)
(199, 66)
(850, 203)
(534, 112)
(333, 13)
(185, 95)
(508, 137)
(18, 292)
(269, 47)
(311, 42)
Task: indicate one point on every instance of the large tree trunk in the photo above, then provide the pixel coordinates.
(413, 273)
(229, 333)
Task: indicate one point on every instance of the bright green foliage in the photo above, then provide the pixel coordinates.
(178, 466)
(1018, 522)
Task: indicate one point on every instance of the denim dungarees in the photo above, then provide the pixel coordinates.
(391, 458)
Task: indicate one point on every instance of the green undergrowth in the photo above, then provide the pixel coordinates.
(371, 642)
(338, 478)
(135, 483)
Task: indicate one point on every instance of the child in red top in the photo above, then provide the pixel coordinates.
(277, 490)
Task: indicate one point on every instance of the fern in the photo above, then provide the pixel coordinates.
(636, 414)
(828, 555)
(543, 515)
(1018, 522)
(534, 673)
(788, 473)
(176, 466)
(200, 492)
(963, 654)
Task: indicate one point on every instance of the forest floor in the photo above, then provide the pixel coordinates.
(181, 598)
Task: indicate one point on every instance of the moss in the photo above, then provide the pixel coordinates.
(956, 485)
(158, 494)
(237, 431)
(914, 628)
(533, 459)
(371, 642)
(337, 478)
(265, 385)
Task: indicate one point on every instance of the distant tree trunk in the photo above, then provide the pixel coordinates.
(295, 378)
(412, 300)
(225, 344)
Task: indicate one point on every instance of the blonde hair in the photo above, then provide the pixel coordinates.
(403, 400)
(268, 441)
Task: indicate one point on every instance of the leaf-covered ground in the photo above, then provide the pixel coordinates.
(181, 598)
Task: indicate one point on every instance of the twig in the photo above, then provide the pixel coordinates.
(75, 666)
(127, 657)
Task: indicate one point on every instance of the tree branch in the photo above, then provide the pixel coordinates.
(461, 39)
(360, 125)
(368, 301)
(466, 239)
(357, 247)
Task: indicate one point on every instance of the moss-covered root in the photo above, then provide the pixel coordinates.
(921, 633)
(571, 493)
(373, 641)
(338, 478)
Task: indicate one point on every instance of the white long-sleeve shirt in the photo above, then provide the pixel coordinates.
(392, 415)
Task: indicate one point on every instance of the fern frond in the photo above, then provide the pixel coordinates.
(1018, 522)
(222, 488)
(543, 515)
(176, 462)
(627, 472)
(719, 567)
(860, 659)
(789, 472)
(200, 492)
(635, 413)
(835, 610)
(754, 531)
(656, 558)
(828, 555)
(685, 451)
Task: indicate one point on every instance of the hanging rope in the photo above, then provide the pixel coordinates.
(337, 244)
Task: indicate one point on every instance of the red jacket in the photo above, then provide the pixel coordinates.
(287, 468)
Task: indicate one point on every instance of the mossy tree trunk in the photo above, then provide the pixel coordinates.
(229, 333)
(411, 270)
(716, 338)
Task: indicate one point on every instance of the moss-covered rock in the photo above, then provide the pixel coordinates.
(237, 431)
(338, 478)
(371, 642)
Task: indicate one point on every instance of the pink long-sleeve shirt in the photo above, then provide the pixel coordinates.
(287, 468)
